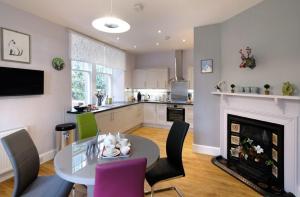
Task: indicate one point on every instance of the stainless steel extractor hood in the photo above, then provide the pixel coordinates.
(178, 65)
(179, 87)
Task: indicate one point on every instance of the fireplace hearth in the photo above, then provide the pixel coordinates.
(255, 154)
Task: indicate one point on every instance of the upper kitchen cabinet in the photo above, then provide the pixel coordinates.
(190, 77)
(139, 79)
(150, 78)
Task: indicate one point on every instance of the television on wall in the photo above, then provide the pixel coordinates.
(18, 82)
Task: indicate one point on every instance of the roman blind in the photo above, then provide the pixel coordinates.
(85, 49)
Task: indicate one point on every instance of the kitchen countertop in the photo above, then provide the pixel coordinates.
(125, 104)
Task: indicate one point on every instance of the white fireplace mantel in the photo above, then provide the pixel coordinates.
(284, 110)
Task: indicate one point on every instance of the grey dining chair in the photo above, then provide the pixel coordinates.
(25, 160)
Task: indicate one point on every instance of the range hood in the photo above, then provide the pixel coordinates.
(178, 64)
(179, 86)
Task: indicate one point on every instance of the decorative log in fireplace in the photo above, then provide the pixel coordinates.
(255, 154)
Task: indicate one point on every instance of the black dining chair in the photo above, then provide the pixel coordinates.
(170, 167)
(25, 160)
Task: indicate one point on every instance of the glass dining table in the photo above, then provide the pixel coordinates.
(74, 165)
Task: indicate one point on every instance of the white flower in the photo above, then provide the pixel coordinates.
(258, 149)
(246, 156)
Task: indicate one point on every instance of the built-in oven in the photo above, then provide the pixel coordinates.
(175, 113)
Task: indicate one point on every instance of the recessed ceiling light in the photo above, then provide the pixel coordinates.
(111, 25)
(134, 46)
(118, 38)
(157, 44)
(159, 31)
(183, 40)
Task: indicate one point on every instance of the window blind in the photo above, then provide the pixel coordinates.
(85, 49)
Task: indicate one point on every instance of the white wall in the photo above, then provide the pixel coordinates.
(40, 113)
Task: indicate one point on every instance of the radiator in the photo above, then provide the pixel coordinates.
(5, 164)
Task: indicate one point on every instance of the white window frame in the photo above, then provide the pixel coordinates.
(90, 73)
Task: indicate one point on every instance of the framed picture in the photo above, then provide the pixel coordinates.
(15, 46)
(207, 66)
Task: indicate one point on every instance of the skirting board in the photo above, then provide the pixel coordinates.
(44, 157)
(208, 150)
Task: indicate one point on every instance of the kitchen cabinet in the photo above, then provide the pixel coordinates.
(139, 79)
(150, 78)
(149, 113)
(190, 77)
(161, 113)
(189, 115)
(121, 119)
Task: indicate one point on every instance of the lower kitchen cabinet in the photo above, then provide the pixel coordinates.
(149, 113)
(120, 120)
(126, 118)
(189, 115)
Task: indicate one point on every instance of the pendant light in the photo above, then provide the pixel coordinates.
(110, 24)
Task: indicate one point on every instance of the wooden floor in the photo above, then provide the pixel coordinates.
(202, 177)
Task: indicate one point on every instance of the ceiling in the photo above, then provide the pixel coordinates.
(175, 18)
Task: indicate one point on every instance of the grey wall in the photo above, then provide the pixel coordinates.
(39, 113)
(272, 30)
(206, 106)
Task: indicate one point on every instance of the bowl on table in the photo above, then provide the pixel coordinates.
(80, 108)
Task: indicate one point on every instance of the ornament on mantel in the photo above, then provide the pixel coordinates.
(248, 59)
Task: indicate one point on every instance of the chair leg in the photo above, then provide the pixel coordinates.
(164, 189)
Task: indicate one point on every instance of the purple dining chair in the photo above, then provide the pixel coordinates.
(120, 178)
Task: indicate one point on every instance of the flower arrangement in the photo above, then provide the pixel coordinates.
(100, 96)
(251, 152)
(267, 87)
(232, 88)
(248, 59)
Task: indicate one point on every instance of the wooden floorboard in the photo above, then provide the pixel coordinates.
(203, 179)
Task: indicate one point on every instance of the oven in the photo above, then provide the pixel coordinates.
(175, 113)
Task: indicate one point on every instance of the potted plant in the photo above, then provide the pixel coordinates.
(267, 87)
(232, 88)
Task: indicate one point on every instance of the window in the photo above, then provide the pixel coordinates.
(104, 79)
(81, 82)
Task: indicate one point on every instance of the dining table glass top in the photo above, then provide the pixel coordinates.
(73, 163)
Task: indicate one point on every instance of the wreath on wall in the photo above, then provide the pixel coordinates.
(58, 63)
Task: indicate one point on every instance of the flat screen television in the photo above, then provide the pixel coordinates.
(18, 82)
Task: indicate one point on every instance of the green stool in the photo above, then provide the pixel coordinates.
(86, 125)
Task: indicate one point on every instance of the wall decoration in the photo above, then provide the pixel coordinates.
(288, 89)
(220, 86)
(207, 66)
(15, 46)
(58, 63)
(248, 59)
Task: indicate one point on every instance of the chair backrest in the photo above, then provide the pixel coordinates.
(86, 125)
(175, 142)
(24, 158)
(121, 178)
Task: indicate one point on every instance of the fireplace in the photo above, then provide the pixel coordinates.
(255, 151)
